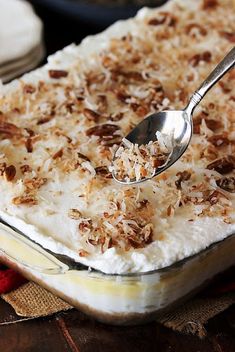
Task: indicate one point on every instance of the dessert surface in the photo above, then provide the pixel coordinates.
(60, 126)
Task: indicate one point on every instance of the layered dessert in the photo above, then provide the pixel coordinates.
(61, 125)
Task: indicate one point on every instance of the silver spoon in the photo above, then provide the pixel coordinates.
(175, 123)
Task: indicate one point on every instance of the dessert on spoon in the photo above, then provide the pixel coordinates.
(160, 140)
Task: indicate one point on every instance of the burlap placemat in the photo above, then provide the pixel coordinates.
(33, 301)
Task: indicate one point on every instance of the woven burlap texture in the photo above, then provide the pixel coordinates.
(31, 300)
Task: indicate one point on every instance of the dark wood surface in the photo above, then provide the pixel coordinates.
(73, 331)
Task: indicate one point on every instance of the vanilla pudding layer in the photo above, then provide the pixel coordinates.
(60, 125)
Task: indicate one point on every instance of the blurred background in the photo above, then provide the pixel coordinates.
(62, 22)
(74, 19)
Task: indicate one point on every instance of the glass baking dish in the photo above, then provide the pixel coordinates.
(115, 299)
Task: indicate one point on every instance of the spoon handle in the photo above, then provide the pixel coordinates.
(220, 70)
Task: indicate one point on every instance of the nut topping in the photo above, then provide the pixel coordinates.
(103, 171)
(209, 4)
(104, 132)
(91, 115)
(197, 58)
(10, 172)
(227, 184)
(9, 129)
(230, 36)
(56, 74)
(224, 165)
(183, 176)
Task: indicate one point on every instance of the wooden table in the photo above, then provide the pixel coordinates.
(73, 332)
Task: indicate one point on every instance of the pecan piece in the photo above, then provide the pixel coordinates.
(213, 198)
(230, 36)
(91, 115)
(29, 89)
(29, 145)
(197, 58)
(25, 200)
(105, 131)
(116, 117)
(9, 129)
(58, 154)
(227, 183)
(25, 168)
(219, 140)
(83, 253)
(83, 157)
(212, 124)
(191, 26)
(182, 176)
(163, 18)
(209, 4)
(56, 74)
(10, 172)
(103, 171)
(223, 165)
(44, 120)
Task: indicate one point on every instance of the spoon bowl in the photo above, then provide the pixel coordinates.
(175, 124)
(172, 123)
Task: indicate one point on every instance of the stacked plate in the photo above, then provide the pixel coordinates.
(21, 45)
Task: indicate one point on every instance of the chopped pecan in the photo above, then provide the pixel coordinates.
(85, 225)
(170, 210)
(227, 183)
(26, 199)
(214, 197)
(25, 168)
(143, 204)
(30, 132)
(103, 171)
(163, 18)
(56, 74)
(209, 4)
(10, 172)
(212, 124)
(105, 131)
(219, 140)
(34, 183)
(133, 76)
(9, 129)
(44, 120)
(29, 145)
(230, 36)
(140, 110)
(29, 89)
(58, 154)
(82, 156)
(83, 253)
(122, 96)
(223, 165)
(116, 117)
(74, 214)
(182, 176)
(226, 87)
(191, 26)
(91, 115)
(102, 102)
(197, 58)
